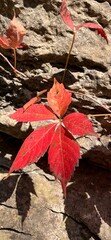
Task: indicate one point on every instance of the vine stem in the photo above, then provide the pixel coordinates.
(15, 58)
(17, 72)
(67, 60)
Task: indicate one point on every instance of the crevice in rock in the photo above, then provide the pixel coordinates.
(15, 230)
(7, 206)
(100, 1)
(83, 225)
(65, 215)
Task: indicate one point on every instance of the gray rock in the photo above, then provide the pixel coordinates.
(32, 205)
(89, 76)
(88, 200)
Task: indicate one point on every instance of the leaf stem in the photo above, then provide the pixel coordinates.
(17, 72)
(67, 60)
(15, 58)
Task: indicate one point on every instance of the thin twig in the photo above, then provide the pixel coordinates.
(83, 94)
(17, 72)
(67, 60)
(99, 115)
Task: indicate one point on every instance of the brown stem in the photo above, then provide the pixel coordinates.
(67, 60)
(15, 58)
(17, 72)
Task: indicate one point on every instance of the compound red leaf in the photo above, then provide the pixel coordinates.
(59, 98)
(36, 112)
(65, 14)
(94, 26)
(78, 124)
(63, 155)
(35, 145)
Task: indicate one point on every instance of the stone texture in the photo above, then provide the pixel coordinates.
(40, 207)
(88, 200)
(32, 205)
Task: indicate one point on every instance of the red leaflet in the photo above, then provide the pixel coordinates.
(34, 100)
(31, 102)
(4, 43)
(65, 14)
(36, 112)
(14, 35)
(63, 155)
(59, 98)
(78, 124)
(94, 26)
(35, 146)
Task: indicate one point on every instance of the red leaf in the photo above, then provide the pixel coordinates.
(78, 124)
(94, 26)
(14, 35)
(65, 14)
(31, 102)
(63, 155)
(59, 98)
(34, 100)
(35, 145)
(36, 112)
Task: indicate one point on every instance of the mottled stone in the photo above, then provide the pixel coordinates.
(34, 199)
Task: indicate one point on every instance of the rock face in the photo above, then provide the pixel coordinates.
(32, 205)
(89, 76)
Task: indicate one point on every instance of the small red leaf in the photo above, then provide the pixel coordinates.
(59, 98)
(78, 124)
(34, 100)
(36, 112)
(94, 26)
(63, 155)
(15, 33)
(35, 145)
(65, 14)
(31, 102)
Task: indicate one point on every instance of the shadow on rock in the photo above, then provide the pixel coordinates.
(88, 201)
(23, 187)
(32, 4)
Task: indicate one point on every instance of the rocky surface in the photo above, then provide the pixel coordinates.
(86, 214)
(32, 204)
